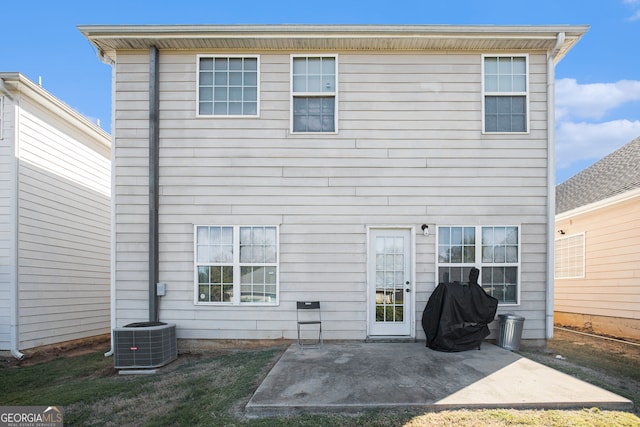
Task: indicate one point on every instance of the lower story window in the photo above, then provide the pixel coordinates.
(569, 257)
(236, 264)
(495, 250)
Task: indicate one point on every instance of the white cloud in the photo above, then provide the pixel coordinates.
(576, 142)
(579, 141)
(594, 100)
(635, 4)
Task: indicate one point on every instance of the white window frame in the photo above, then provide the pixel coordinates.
(478, 263)
(568, 252)
(236, 264)
(333, 94)
(525, 94)
(227, 116)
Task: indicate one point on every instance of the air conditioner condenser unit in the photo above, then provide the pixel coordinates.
(145, 345)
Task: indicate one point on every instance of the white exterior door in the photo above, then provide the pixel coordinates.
(390, 287)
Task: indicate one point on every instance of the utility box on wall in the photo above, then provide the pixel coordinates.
(145, 345)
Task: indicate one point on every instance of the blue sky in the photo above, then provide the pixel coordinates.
(597, 83)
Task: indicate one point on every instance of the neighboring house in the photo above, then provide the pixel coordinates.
(597, 265)
(55, 170)
(259, 165)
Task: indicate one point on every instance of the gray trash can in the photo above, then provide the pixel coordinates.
(510, 331)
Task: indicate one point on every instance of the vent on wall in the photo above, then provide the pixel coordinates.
(145, 345)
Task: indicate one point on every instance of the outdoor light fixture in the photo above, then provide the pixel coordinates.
(425, 229)
(561, 232)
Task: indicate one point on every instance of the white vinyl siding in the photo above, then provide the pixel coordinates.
(64, 230)
(410, 150)
(569, 257)
(131, 185)
(2, 117)
(54, 221)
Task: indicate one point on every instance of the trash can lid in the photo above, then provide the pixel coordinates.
(510, 316)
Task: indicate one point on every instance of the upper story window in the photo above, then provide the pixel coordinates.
(505, 94)
(494, 250)
(228, 86)
(313, 93)
(569, 257)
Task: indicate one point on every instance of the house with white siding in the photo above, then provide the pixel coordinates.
(598, 246)
(260, 165)
(55, 192)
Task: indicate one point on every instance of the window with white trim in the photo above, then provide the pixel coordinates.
(313, 93)
(236, 264)
(505, 99)
(494, 250)
(570, 257)
(228, 86)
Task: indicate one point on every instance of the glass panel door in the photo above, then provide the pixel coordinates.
(390, 289)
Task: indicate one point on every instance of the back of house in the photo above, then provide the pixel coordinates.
(358, 166)
(54, 220)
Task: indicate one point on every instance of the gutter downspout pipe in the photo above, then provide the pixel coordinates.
(15, 352)
(154, 156)
(112, 285)
(551, 187)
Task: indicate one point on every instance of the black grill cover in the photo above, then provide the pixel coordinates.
(457, 315)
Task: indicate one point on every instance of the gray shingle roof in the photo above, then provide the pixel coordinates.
(614, 174)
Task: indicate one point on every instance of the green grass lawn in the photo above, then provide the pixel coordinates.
(211, 390)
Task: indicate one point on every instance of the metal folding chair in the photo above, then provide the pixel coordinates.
(308, 314)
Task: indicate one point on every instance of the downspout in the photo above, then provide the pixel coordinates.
(551, 178)
(112, 267)
(13, 290)
(154, 157)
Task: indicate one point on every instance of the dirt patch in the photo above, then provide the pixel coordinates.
(47, 353)
(625, 348)
(611, 364)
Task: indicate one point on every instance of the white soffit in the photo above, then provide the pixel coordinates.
(108, 39)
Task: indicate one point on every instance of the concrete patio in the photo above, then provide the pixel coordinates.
(354, 377)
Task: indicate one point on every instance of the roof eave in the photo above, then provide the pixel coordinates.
(604, 203)
(108, 39)
(20, 84)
